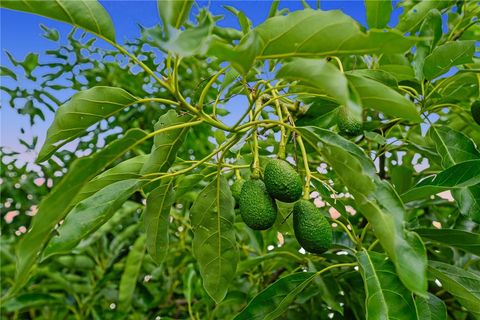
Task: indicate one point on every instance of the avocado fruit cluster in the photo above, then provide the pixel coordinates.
(312, 229)
(347, 123)
(257, 208)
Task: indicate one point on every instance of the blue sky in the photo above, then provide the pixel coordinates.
(21, 34)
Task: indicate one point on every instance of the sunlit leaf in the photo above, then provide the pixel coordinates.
(446, 56)
(378, 13)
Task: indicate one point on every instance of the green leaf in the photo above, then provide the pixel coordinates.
(83, 110)
(460, 87)
(309, 33)
(431, 29)
(387, 297)
(214, 243)
(455, 147)
(379, 97)
(166, 145)
(378, 13)
(446, 56)
(89, 215)
(463, 174)
(156, 217)
(89, 15)
(174, 13)
(377, 201)
(193, 41)
(128, 169)
(462, 284)
(467, 241)
(431, 308)
(399, 72)
(5, 72)
(130, 274)
(275, 299)
(411, 19)
(30, 300)
(56, 205)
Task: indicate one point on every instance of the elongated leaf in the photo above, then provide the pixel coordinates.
(156, 217)
(378, 202)
(128, 169)
(462, 284)
(379, 97)
(89, 15)
(30, 300)
(274, 300)
(431, 29)
(431, 308)
(446, 56)
(454, 147)
(5, 72)
(174, 13)
(463, 174)
(307, 33)
(130, 274)
(467, 241)
(378, 13)
(56, 205)
(387, 297)
(214, 243)
(90, 214)
(411, 19)
(83, 110)
(166, 145)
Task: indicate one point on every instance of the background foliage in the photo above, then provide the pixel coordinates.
(125, 231)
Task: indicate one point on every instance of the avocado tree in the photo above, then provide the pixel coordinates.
(346, 187)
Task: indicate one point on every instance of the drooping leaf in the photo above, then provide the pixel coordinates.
(462, 284)
(156, 217)
(128, 169)
(379, 97)
(84, 109)
(446, 56)
(454, 147)
(130, 274)
(214, 243)
(166, 145)
(308, 32)
(56, 205)
(90, 214)
(386, 296)
(378, 202)
(431, 308)
(89, 15)
(174, 12)
(378, 13)
(463, 174)
(411, 19)
(467, 241)
(275, 299)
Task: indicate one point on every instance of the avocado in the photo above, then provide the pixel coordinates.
(257, 208)
(312, 229)
(475, 110)
(236, 189)
(282, 181)
(347, 123)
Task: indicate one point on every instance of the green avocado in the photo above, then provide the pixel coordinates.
(257, 208)
(475, 110)
(347, 123)
(312, 229)
(282, 181)
(236, 189)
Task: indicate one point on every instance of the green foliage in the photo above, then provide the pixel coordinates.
(312, 229)
(257, 207)
(147, 194)
(282, 181)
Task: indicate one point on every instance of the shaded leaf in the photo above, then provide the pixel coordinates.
(156, 217)
(386, 296)
(462, 284)
(90, 214)
(30, 300)
(56, 205)
(431, 308)
(89, 15)
(275, 299)
(446, 56)
(214, 243)
(467, 241)
(84, 109)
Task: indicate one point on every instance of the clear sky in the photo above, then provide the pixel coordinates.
(21, 34)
